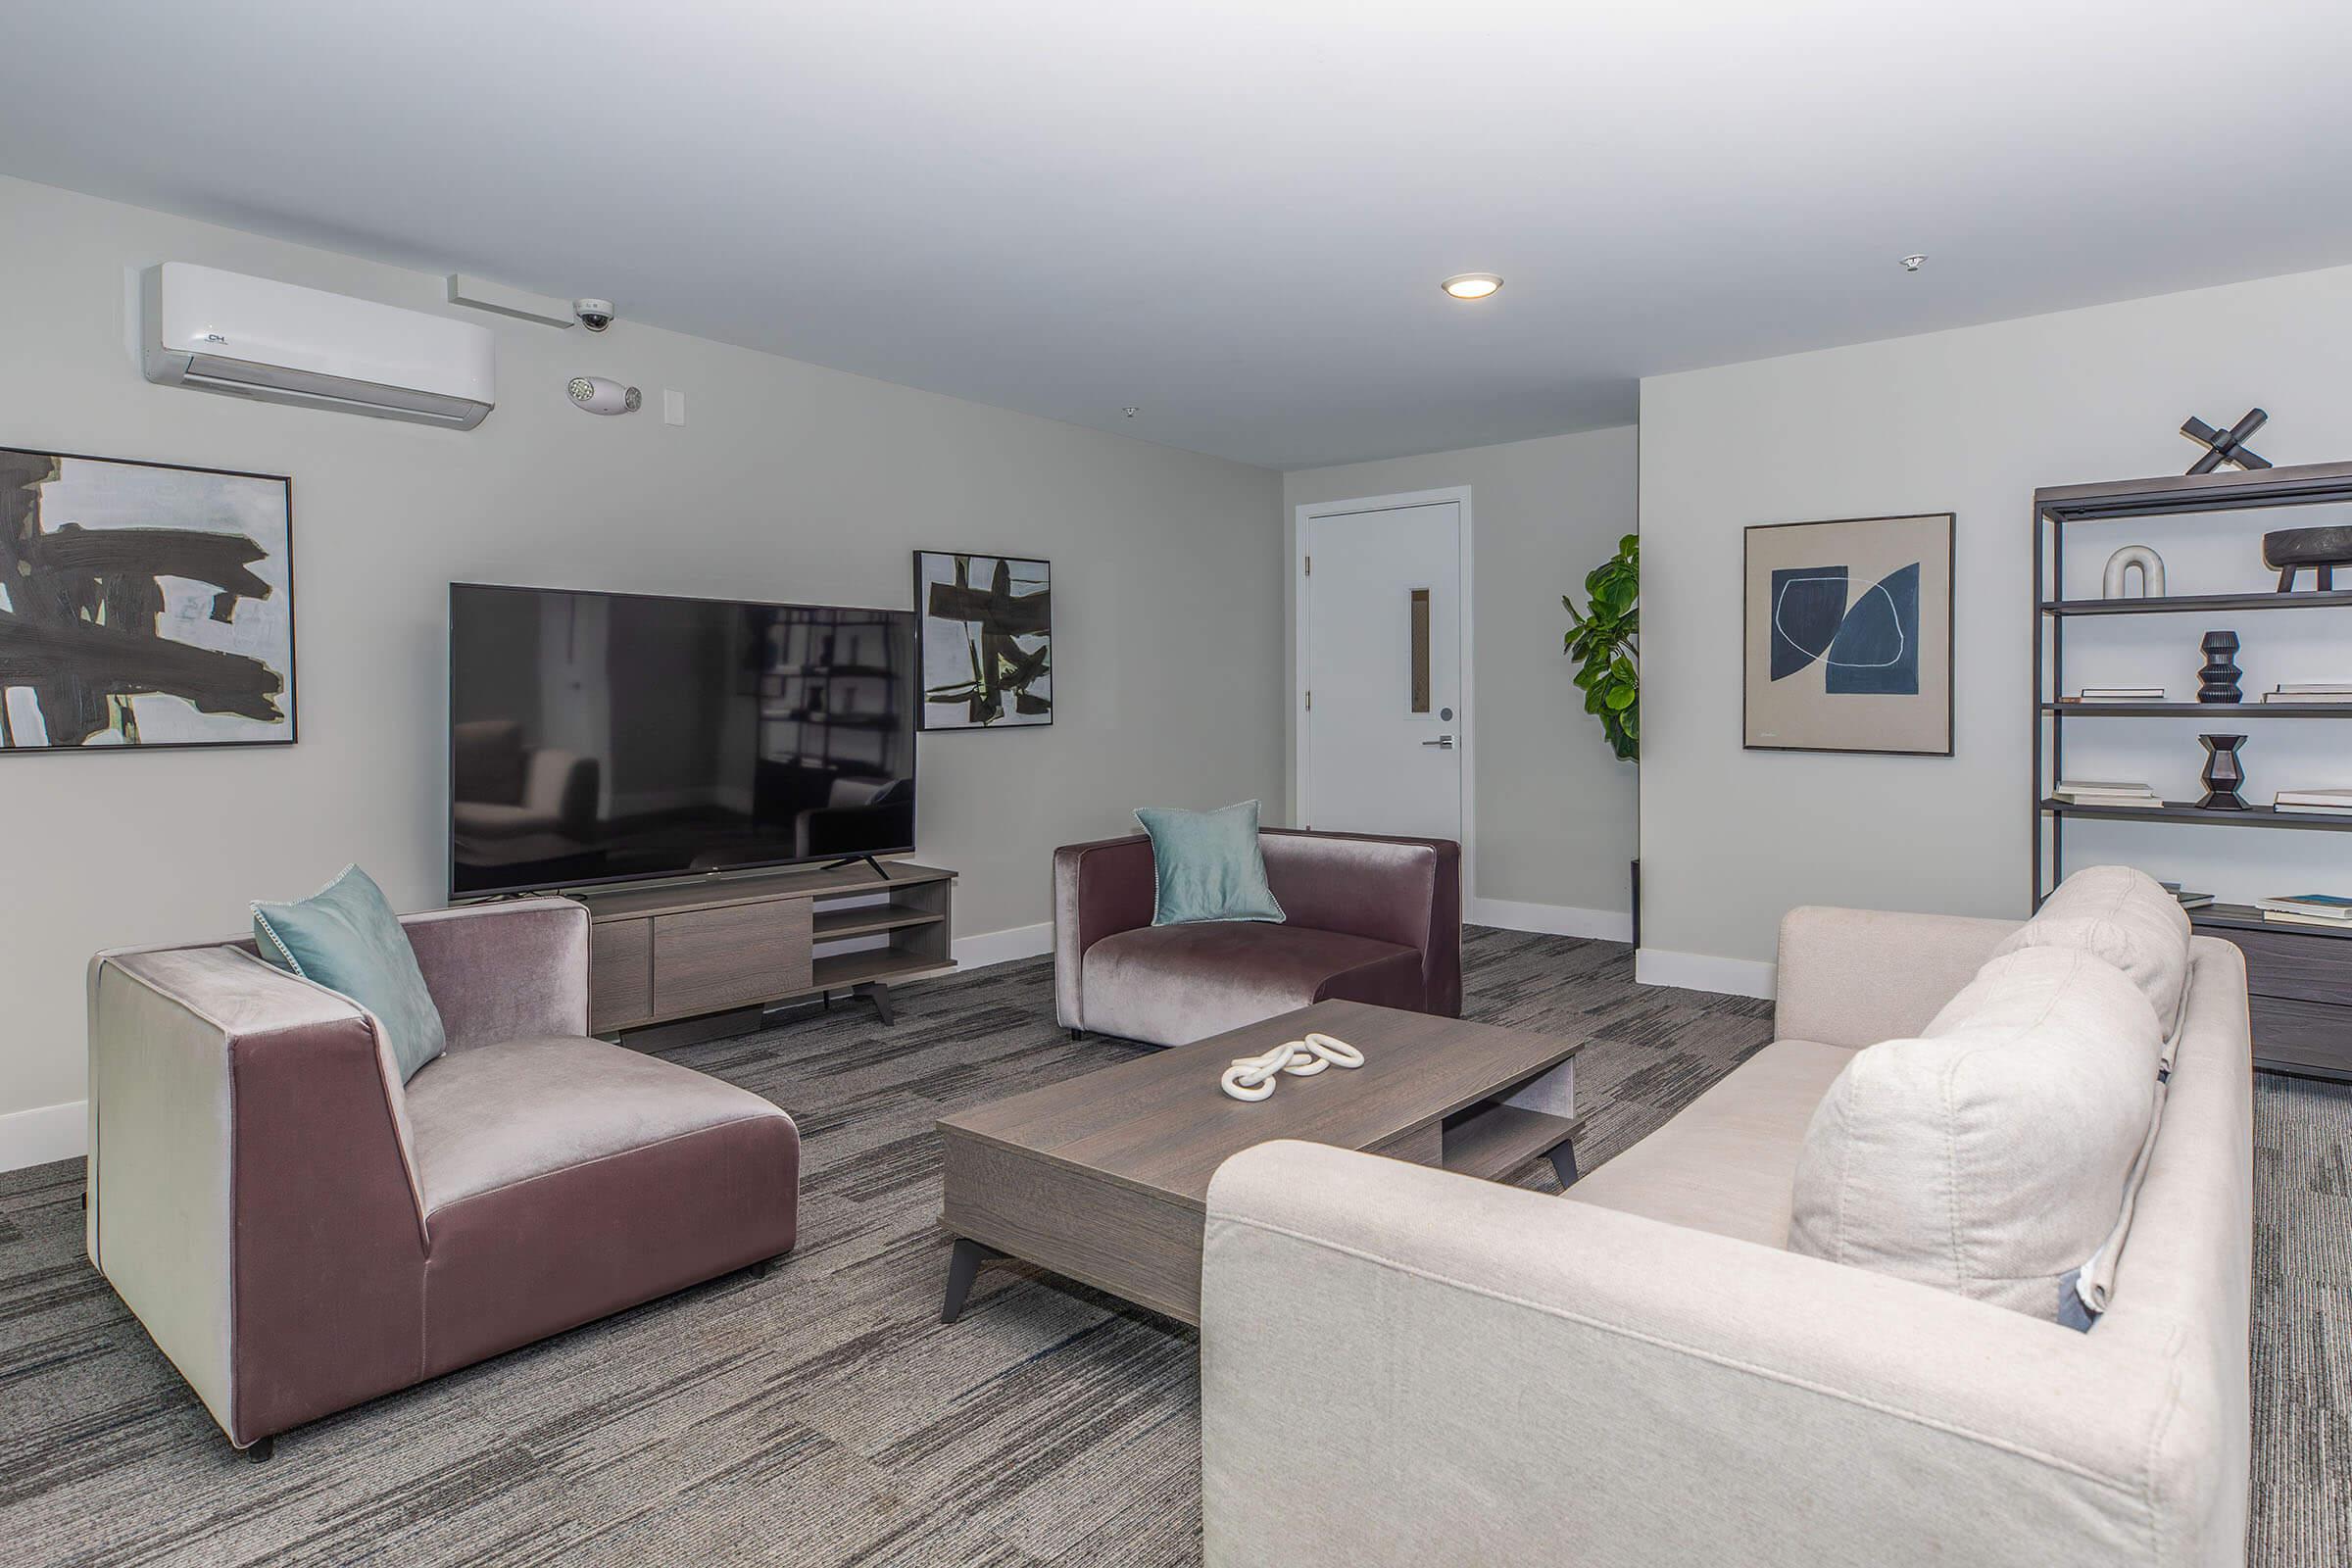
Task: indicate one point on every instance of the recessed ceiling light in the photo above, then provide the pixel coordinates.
(1472, 285)
(1913, 262)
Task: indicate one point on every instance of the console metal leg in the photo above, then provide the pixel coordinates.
(1563, 1163)
(961, 1268)
(875, 992)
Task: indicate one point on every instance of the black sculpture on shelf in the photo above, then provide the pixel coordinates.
(2217, 682)
(2225, 775)
(2323, 550)
(2227, 446)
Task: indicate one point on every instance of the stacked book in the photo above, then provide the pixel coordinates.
(2326, 802)
(2324, 691)
(2309, 909)
(2117, 694)
(2188, 899)
(2093, 791)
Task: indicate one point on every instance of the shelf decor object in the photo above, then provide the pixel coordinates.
(2323, 550)
(2224, 773)
(1848, 636)
(987, 653)
(2227, 446)
(2120, 566)
(2300, 976)
(2217, 682)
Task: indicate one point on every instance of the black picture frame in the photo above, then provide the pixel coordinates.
(922, 642)
(291, 694)
(1950, 561)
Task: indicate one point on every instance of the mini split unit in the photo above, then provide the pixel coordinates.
(253, 338)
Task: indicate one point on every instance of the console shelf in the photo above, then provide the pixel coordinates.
(678, 951)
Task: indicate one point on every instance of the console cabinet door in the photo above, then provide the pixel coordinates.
(620, 974)
(706, 961)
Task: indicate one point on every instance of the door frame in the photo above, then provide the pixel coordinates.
(1465, 729)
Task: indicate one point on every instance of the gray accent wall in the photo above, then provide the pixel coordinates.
(1971, 422)
(788, 482)
(1554, 816)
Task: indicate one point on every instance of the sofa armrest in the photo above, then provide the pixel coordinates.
(1854, 977)
(1400, 1365)
(253, 1194)
(505, 971)
(1100, 889)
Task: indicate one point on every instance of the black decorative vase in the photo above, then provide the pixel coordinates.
(2224, 773)
(2217, 680)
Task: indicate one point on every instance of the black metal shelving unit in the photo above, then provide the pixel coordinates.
(2301, 975)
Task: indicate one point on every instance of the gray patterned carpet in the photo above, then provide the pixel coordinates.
(823, 1416)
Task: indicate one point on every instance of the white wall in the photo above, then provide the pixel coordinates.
(1554, 809)
(788, 482)
(1971, 422)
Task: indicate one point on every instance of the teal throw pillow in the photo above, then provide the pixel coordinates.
(347, 939)
(1206, 865)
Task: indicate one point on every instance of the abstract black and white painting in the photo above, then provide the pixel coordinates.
(987, 640)
(1849, 636)
(143, 605)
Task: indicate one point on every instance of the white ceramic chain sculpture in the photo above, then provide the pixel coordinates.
(1253, 1077)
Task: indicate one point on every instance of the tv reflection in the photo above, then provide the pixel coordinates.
(604, 737)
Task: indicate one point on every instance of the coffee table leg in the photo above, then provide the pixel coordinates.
(1563, 1161)
(962, 1267)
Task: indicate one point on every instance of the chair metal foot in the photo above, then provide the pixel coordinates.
(768, 1265)
(1077, 1034)
(260, 1450)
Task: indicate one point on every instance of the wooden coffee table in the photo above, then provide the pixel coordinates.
(1105, 1177)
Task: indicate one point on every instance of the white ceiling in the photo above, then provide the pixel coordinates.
(1234, 213)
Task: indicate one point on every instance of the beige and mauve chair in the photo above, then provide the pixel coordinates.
(300, 1232)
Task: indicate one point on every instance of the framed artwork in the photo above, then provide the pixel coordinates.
(143, 605)
(1848, 636)
(987, 640)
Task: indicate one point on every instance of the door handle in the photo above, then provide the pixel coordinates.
(1445, 740)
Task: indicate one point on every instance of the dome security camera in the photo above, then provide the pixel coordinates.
(594, 315)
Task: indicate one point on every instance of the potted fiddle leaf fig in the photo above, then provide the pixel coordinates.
(1605, 641)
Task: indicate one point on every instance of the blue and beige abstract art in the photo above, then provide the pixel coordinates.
(1849, 635)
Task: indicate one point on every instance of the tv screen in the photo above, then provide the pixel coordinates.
(608, 737)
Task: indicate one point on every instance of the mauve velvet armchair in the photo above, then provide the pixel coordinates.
(300, 1232)
(1369, 920)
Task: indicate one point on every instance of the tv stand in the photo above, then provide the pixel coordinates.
(852, 860)
(665, 953)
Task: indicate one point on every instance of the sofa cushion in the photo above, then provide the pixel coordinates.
(1725, 1163)
(346, 937)
(2125, 917)
(498, 1116)
(1991, 1156)
(1206, 865)
(1175, 984)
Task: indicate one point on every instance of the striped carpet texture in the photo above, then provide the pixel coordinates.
(824, 1416)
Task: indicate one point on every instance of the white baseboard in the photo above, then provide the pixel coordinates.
(1552, 919)
(49, 1132)
(980, 951)
(1703, 971)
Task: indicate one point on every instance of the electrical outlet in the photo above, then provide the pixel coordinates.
(673, 407)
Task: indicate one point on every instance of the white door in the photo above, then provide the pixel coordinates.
(1383, 667)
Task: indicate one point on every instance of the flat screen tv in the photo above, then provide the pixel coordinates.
(599, 738)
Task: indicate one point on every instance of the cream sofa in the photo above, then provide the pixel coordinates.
(1405, 1366)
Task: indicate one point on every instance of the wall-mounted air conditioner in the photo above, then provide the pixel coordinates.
(253, 338)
